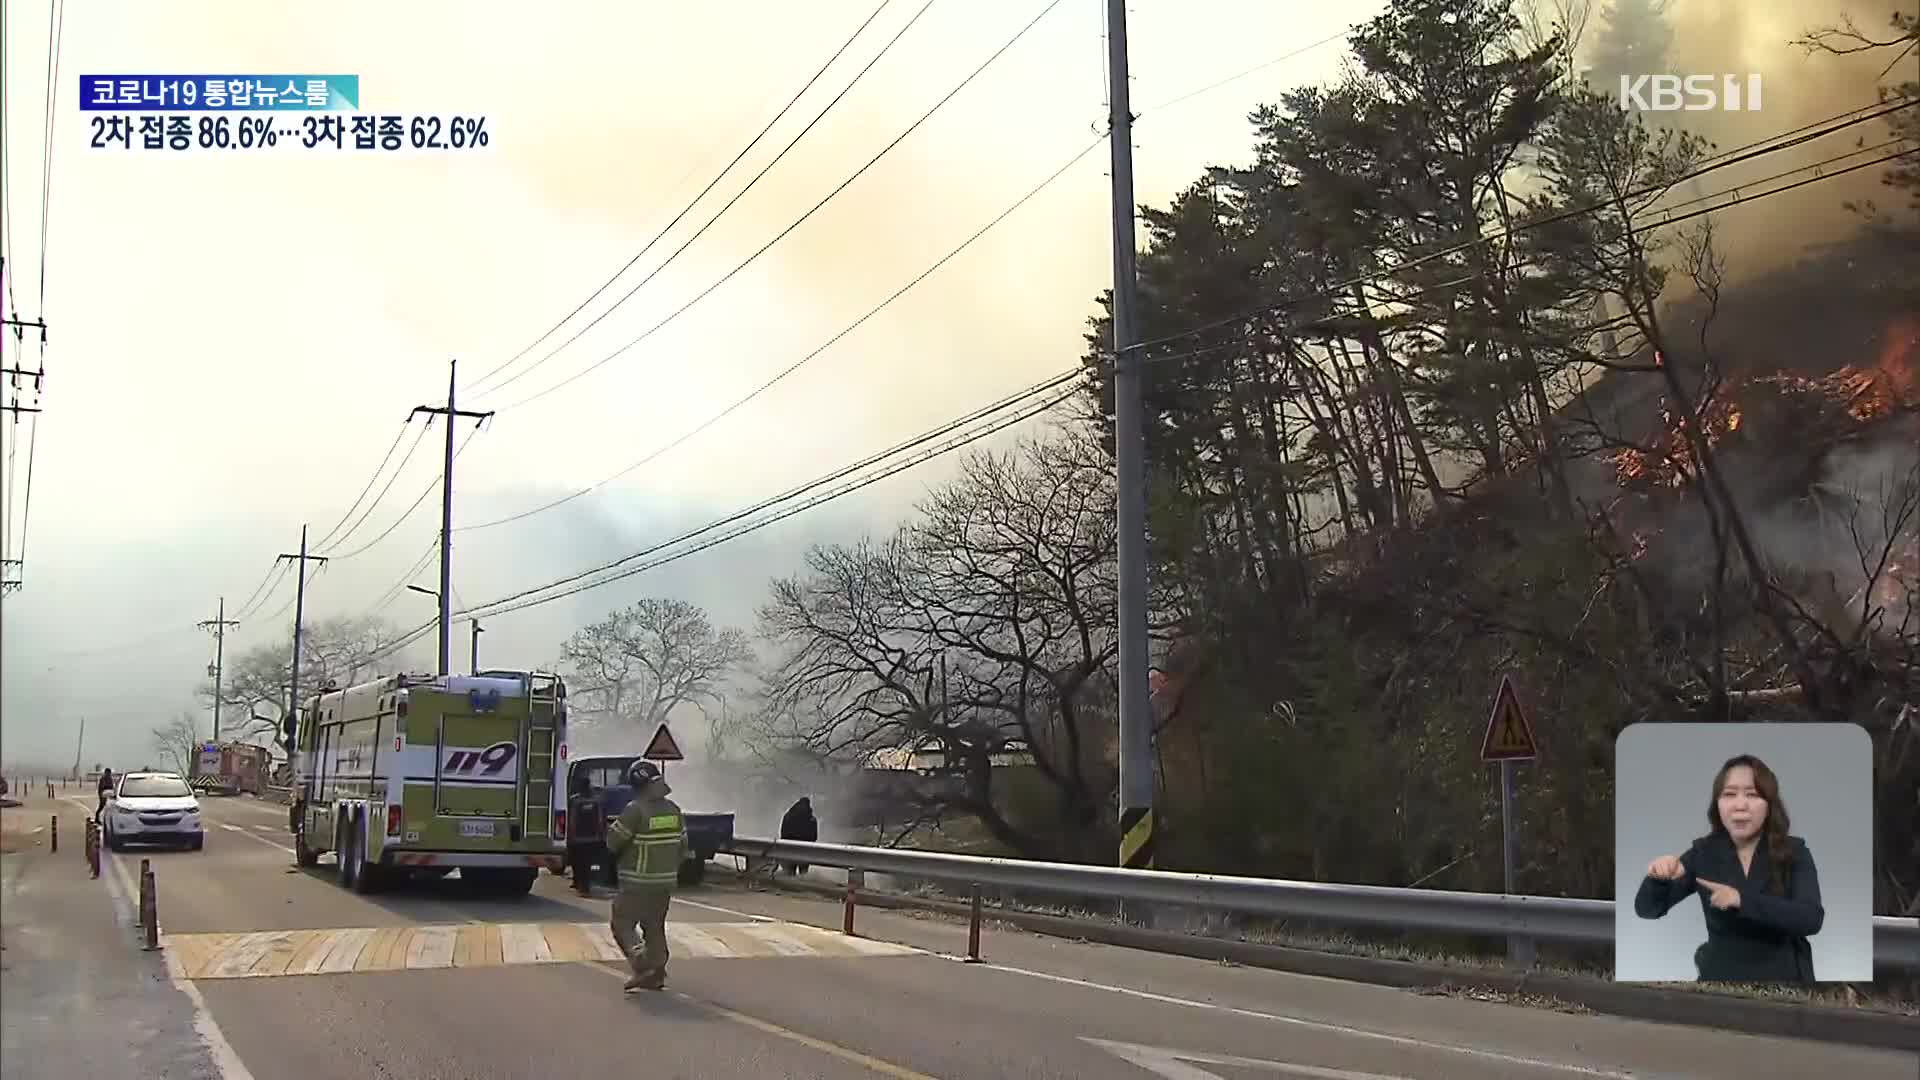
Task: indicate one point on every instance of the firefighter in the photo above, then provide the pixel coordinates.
(647, 844)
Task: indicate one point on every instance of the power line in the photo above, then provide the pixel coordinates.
(56, 26)
(711, 184)
(1339, 35)
(268, 584)
(802, 219)
(1734, 157)
(601, 575)
(6, 166)
(408, 512)
(419, 437)
(798, 364)
(531, 597)
(902, 32)
(26, 502)
(377, 470)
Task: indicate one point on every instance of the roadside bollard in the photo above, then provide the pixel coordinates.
(855, 878)
(53, 838)
(93, 848)
(973, 928)
(149, 908)
(140, 908)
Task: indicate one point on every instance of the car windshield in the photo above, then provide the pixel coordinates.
(153, 787)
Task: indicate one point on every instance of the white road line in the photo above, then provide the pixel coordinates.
(261, 839)
(724, 911)
(225, 1062)
(1321, 1025)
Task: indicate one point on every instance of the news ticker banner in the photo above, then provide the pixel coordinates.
(310, 112)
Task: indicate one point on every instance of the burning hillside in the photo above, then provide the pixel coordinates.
(1784, 411)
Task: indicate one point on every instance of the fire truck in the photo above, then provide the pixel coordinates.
(420, 775)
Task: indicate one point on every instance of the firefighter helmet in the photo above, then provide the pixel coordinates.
(642, 773)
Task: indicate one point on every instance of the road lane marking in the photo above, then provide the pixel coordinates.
(226, 1063)
(1179, 1064)
(1320, 1025)
(278, 953)
(866, 1061)
(725, 911)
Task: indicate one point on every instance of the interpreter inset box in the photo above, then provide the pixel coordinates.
(1743, 852)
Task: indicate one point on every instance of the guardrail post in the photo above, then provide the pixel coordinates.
(855, 879)
(973, 928)
(53, 840)
(150, 908)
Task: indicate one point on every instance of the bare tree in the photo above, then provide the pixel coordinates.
(639, 664)
(985, 628)
(177, 743)
(256, 683)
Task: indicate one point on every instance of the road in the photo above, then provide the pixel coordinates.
(275, 973)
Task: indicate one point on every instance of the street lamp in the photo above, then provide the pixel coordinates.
(477, 629)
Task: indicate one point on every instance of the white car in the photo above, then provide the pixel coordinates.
(153, 808)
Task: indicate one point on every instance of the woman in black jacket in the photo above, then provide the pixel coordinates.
(1756, 882)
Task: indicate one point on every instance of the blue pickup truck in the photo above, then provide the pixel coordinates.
(598, 792)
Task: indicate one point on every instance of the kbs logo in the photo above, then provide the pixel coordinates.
(1690, 93)
(494, 762)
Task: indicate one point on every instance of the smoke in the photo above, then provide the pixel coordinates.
(1737, 37)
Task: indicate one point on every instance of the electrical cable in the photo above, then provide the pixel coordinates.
(711, 184)
(604, 574)
(6, 173)
(408, 512)
(801, 220)
(1734, 157)
(798, 364)
(268, 584)
(377, 470)
(1343, 33)
(419, 437)
(56, 27)
(531, 598)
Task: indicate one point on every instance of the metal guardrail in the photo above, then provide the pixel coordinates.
(1896, 942)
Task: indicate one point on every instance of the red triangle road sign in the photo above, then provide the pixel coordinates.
(663, 748)
(1510, 734)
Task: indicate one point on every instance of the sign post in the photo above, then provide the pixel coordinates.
(1509, 740)
(662, 747)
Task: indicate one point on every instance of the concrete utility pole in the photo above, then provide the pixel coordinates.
(1130, 469)
(299, 616)
(219, 623)
(446, 513)
(474, 664)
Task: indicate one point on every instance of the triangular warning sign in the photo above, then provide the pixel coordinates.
(1509, 729)
(663, 748)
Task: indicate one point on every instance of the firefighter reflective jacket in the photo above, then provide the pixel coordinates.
(648, 842)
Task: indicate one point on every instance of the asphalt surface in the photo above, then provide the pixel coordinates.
(426, 982)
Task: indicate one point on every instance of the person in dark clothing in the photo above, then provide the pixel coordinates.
(1757, 884)
(107, 783)
(800, 824)
(580, 804)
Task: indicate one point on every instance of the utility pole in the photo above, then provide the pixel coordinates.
(299, 615)
(446, 512)
(1130, 475)
(219, 623)
(475, 663)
